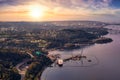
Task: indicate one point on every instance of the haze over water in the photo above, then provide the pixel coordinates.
(108, 67)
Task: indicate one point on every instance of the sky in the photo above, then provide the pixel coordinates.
(57, 10)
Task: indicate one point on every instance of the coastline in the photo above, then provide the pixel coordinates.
(69, 46)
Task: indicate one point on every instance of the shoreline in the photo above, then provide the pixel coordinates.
(99, 40)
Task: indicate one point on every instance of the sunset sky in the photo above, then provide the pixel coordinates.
(51, 10)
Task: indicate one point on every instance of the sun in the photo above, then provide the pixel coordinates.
(36, 11)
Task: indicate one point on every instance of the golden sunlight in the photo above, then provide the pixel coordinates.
(36, 11)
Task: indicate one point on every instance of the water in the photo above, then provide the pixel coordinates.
(105, 62)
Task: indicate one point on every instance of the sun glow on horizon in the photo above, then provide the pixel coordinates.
(36, 12)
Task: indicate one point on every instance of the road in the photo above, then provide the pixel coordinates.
(22, 65)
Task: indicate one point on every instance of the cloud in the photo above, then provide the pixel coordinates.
(71, 4)
(93, 4)
(8, 2)
(12, 2)
(73, 9)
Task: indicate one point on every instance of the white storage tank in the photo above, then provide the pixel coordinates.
(60, 62)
